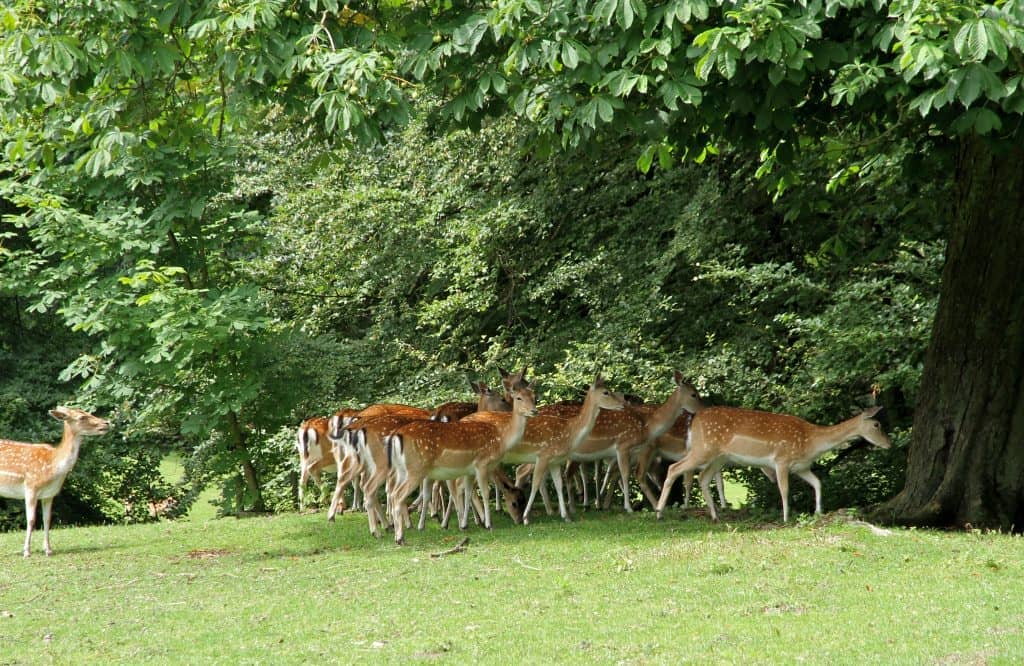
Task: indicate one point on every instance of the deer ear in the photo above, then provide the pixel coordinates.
(871, 411)
(678, 377)
(475, 387)
(598, 380)
(60, 413)
(503, 372)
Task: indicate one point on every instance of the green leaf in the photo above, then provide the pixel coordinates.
(727, 62)
(624, 16)
(646, 159)
(987, 121)
(970, 88)
(468, 35)
(604, 11)
(971, 41)
(569, 56)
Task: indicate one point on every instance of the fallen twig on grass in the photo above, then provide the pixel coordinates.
(458, 548)
(524, 565)
(877, 531)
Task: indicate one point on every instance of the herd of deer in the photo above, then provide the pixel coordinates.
(403, 448)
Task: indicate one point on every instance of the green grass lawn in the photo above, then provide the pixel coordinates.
(609, 588)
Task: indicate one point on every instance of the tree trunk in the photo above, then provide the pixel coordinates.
(966, 457)
(252, 482)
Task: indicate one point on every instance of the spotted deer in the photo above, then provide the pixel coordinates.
(488, 400)
(618, 434)
(426, 450)
(778, 442)
(36, 472)
(551, 436)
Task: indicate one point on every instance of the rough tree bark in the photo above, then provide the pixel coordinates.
(966, 458)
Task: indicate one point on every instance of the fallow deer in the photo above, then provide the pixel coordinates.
(779, 442)
(366, 437)
(618, 434)
(425, 450)
(36, 472)
(314, 452)
(549, 438)
(488, 400)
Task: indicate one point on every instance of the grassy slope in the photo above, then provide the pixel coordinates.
(610, 588)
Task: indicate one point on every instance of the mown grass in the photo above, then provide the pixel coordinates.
(610, 588)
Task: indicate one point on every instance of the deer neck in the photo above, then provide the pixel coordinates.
(512, 431)
(826, 438)
(664, 416)
(65, 455)
(583, 423)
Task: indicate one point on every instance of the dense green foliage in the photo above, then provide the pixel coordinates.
(442, 256)
(211, 272)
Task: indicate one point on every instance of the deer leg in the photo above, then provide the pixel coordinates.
(556, 479)
(303, 478)
(720, 482)
(356, 499)
(687, 487)
(483, 483)
(643, 463)
(474, 498)
(467, 503)
(337, 503)
(372, 506)
(424, 503)
(571, 484)
(449, 505)
(808, 476)
(314, 473)
(782, 479)
(538, 470)
(577, 472)
(47, 513)
(704, 479)
(401, 491)
(545, 497)
(675, 470)
(370, 485)
(623, 457)
(30, 521)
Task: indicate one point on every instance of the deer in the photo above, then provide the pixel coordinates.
(365, 437)
(36, 472)
(314, 450)
(550, 437)
(672, 445)
(349, 467)
(424, 450)
(618, 434)
(781, 443)
(488, 400)
(316, 447)
(385, 408)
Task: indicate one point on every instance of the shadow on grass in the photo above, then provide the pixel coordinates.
(349, 534)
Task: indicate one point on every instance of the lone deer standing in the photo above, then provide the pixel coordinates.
(37, 471)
